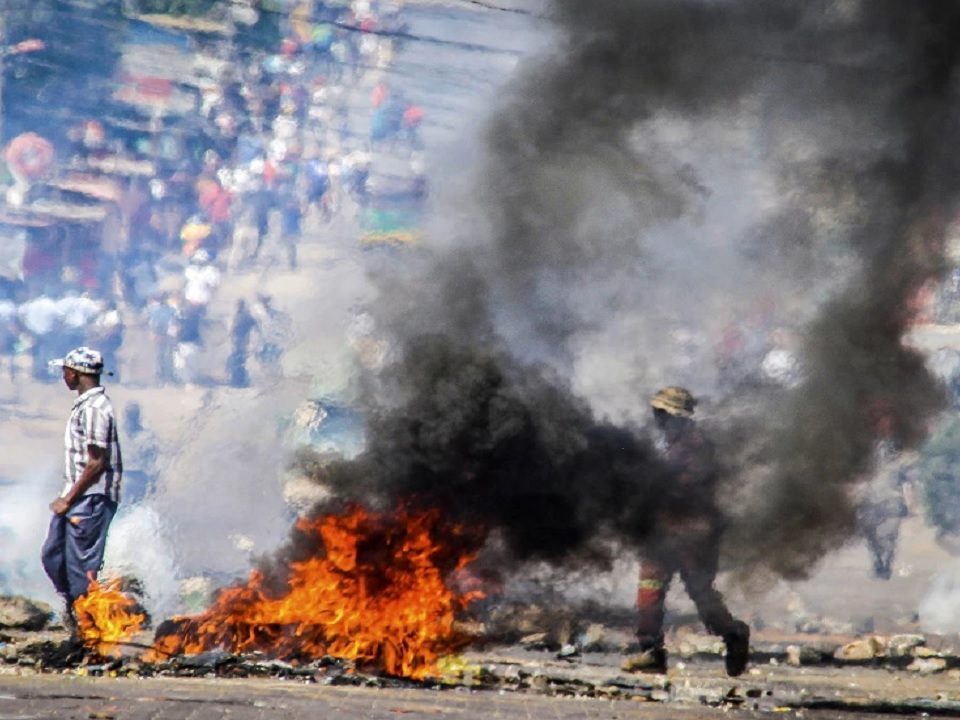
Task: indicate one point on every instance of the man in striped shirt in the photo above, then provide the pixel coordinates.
(73, 552)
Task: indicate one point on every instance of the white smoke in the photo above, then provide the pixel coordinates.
(24, 518)
(938, 610)
(138, 546)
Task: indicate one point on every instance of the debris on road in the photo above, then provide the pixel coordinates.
(20, 613)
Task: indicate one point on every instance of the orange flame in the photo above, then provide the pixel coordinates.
(376, 595)
(106, 616)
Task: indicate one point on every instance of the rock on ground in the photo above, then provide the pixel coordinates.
(20, 613)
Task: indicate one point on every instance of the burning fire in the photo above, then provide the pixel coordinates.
(376, 594)
(106, 616)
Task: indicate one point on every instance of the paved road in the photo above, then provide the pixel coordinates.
(695, 689)
(61, 696)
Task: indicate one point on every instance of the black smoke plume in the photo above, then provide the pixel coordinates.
(855, 110)
(501, 448)
(904, 93)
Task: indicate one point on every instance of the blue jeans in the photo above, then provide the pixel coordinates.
(73, 551)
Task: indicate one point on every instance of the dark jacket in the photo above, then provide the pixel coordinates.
(688, 506)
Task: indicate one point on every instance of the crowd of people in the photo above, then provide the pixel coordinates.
(275, 143)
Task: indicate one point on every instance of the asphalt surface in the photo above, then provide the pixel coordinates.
(56, 697)
(695, 690)
(60, 696)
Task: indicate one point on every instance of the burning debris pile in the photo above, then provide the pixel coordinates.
(107, 616)
(373, 591)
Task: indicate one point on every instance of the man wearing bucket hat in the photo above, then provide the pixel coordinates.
(686, 540)
(73, 551)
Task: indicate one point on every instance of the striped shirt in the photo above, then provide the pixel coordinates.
(92, 422)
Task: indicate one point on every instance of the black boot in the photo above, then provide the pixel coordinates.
(652, 657)
(738, 648)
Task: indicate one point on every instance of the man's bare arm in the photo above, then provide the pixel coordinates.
(96, 464)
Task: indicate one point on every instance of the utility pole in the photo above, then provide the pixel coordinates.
(4, 9)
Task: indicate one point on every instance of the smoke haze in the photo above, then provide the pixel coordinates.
(666, 170)
(665, 173)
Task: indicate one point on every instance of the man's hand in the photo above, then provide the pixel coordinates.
(59, 506)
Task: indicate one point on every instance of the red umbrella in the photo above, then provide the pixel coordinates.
(29, 156)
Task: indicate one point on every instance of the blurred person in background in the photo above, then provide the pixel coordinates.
(76, 312)
(107, 334)
(40, 317)
(141, 453)
(162, 320)
(291, 214)
(882, 502)
(273, 327)
(241, 328)
(201, 278)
